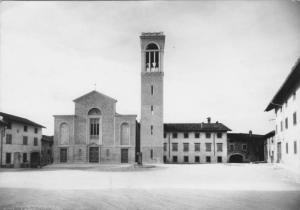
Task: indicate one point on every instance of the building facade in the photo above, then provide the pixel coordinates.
(95, 133)
(46, 150)
(3, 125)
(246, 147)
(21, 142)
(270, 146)
(195, 142)
(152, 74)
(286, 105)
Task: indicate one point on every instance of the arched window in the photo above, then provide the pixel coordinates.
(94, 123)
(94, 111)
(125, 134)
(152, 46)
(152, 58)
(64, 133)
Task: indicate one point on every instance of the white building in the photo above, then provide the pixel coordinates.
(195, 142)
(286, 104)
(21, 141)
(270, 144)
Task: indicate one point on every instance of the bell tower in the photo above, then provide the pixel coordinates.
(152, 127)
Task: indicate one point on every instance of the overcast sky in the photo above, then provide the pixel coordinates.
(223, 59)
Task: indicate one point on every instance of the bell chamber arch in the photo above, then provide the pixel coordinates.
(152, 46)
(152, 58)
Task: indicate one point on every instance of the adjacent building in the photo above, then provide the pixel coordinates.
(246, 147)
(21, 141)
(96, 133)
(195, 142)
(46, 150)
(286, 105)
(270, 146)
(3, 125)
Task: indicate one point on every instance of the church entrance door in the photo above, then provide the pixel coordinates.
(63, 155)
(94, 154)
(124, 155)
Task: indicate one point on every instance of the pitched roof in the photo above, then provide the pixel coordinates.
(47, 138)
(12, 118)
(2, 122)
(188, 127)
(270, 134)
(244, 137)
(125, 115)
(94, 92)
(290, 84)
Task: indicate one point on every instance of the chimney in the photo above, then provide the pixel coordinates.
(250, 133)
(208, 120)
(217, 122)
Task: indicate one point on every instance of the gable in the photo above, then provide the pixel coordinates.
(94, 95)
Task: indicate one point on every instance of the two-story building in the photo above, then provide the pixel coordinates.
(246, 147)
(286, 105)
(22, 140)
(195, 142)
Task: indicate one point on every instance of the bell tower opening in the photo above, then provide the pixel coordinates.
(151, 137)
(152, 58)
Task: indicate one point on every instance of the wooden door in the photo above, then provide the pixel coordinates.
(63, 155)
(94, 154)
(124, 155)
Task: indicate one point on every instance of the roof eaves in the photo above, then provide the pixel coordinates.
(294, 74)
(13, 118)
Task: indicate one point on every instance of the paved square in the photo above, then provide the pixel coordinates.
(211, 186)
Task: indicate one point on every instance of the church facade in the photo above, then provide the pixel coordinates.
(96, 133)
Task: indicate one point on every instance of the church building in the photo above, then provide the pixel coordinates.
(96, 133)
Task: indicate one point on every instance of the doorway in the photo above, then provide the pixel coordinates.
(17, 159)
(63, 155)
(124, 155)
(236, 158)
(94, 154)
(278, 152)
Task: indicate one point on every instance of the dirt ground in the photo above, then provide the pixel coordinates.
(213, 186)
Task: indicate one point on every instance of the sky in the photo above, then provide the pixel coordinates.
(223, 59)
